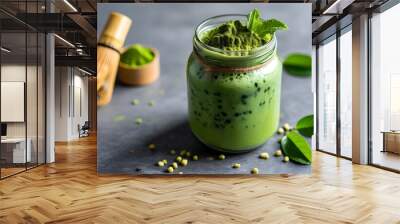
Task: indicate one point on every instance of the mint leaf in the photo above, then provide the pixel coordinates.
(271, 26)
(296, 148)
(298, 64)
(263, 28)
(306, 125)
(253, 19)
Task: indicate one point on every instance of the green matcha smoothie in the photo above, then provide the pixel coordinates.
(234, 85)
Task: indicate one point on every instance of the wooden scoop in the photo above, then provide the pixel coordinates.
(108, 54)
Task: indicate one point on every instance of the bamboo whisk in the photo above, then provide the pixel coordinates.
(108, 54)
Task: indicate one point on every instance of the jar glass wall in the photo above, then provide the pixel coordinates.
(233, 97)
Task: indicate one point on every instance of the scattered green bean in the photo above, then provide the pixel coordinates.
(286, 126)
(175, 165)
(188, 154)
(178, 159)
(286, 159)
(254, 171)
(236, 165)
(160, 163)
(119, 117)
(151, 146)
(184, 162)
(172, 152)
(195, 157)
(221, 157)
(135, 102)
(278, 153)
(264, 155)
(281, 131)
(139, 121)
(170, 169)
(151, 103)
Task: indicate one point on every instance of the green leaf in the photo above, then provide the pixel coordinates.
(253, 19)
(270, 26)
(298, 64)
(297, 148)
(306, 125)
(263, 28)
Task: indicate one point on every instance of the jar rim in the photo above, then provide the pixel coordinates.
(204, 26)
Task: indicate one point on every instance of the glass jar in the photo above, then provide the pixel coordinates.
(233, 96)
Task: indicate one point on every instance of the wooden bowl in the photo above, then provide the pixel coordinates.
(141, 75)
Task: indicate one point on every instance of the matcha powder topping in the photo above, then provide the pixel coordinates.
(235, 36)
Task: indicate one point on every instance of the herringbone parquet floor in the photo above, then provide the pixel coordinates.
(70, 191)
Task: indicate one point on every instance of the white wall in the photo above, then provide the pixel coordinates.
(13, 101)
(71, 93)
(62, 80)
(33, 126)
(12, 73)
(80, 109)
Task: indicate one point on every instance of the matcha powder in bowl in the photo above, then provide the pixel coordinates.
(139, 65)
(137, 55)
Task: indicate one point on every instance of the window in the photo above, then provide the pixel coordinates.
(346, 75)
(327, 96)
(22, 78)
(385, 89)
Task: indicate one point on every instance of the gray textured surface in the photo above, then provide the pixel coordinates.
(122, 146)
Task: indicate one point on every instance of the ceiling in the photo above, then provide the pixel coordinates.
(74, 22)
(332, 15)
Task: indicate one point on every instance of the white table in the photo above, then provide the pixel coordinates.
(19, 153)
